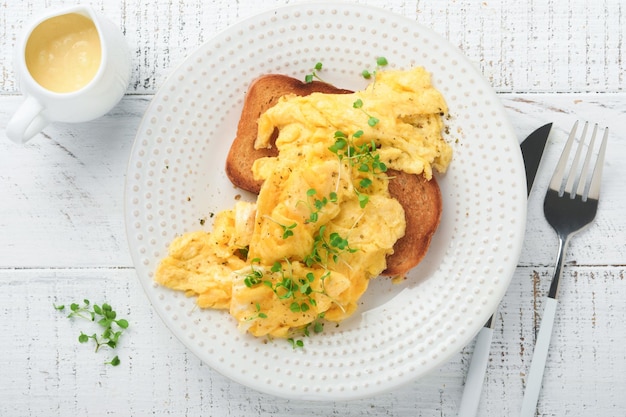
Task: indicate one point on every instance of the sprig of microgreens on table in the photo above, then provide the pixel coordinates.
(106, 318)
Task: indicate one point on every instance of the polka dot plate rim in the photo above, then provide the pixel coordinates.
(175, 182)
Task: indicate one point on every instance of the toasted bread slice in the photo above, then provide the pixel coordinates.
(420, 198)
(262, 94)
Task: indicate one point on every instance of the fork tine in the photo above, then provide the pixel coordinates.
(594, 187)
(557, 177)
(582, 181)
(571, 178)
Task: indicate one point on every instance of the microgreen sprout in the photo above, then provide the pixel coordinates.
(106, 317)
(114, 362)
(287, 229)
(381, 61)
(363, 198)
(297, 292)
(316, 205)
(341, 141)
(287, 287)
(296, 343)
(363, 157)
(255, 275)
(314, 73)
(371, 120)
(325, 250)
(259, 314)
(318, 327)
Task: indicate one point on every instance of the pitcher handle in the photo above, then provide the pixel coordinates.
(27, 121)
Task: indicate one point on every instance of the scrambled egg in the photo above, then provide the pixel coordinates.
(324, 222)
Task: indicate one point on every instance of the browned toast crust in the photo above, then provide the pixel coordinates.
(420, 198)
(262, 94)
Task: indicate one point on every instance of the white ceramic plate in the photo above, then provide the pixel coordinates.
(176, 178)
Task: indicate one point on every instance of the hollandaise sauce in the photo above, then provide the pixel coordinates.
(63, 53)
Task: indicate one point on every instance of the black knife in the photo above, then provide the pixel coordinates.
(532, 151)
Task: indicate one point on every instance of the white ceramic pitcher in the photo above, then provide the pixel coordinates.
(103, 86)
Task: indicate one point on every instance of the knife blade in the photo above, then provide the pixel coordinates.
(532, 151)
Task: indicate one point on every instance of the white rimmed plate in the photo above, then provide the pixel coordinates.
(176, 179)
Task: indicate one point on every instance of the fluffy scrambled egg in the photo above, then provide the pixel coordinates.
(324, 222)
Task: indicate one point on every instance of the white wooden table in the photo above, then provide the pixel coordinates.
(62, 235)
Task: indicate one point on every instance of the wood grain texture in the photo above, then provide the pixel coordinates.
(547, 46)
(52, 374)
(62, 231)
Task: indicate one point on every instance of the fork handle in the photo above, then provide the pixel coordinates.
(538, 365)
(542, 344)
(558, 270)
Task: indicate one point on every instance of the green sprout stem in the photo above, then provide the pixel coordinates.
(314, 74)
(287, 229)
(106, 318)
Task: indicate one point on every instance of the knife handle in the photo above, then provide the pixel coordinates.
(538, 365)
(476, 374)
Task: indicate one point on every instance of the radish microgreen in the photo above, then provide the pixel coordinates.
(106, 317)
(287, 229)
(314, 74)
(371, 120)
(381, 61)
(316, 205)
(363, 157)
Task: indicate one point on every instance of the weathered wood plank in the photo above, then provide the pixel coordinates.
(585, 352)
(551, 46)
(51, 371)
(67, 182)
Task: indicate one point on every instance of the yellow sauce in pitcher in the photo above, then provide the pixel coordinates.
(63, 53)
